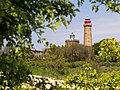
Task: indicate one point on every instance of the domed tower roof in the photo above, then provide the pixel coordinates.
(72, 36)
(72, 40)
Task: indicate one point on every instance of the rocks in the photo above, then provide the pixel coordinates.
(40, 82)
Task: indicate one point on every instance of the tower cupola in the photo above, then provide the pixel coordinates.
(72, 36)
(87, 22)
(71, 40)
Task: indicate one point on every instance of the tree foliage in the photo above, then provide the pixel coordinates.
(107, 49)
(89, 79)
(76, 53)
(71, 53)
(113, 5)
(96, 48)
(18, 20)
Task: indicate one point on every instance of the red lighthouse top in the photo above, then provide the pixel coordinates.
(87, 22)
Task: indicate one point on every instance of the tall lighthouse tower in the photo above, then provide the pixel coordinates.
(88, 36)
(87, 32)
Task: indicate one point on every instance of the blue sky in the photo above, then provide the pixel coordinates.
(104, 25)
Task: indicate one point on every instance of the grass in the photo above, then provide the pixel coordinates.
(48, 70)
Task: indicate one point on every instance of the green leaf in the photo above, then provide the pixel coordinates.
(30, 46)
(19, 28)
(95, 8)
(79, 3)
(65, 24)
(93, 2)
(57, 24)
(44, 40)
(68, 22)
(53, 28)
(63, 18)
(77, 10)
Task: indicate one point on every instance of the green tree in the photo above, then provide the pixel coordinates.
(96, 48)
(18, 20)
(75, 53)
(109, 49)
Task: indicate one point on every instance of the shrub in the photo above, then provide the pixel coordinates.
(76, 53)
(89, 79)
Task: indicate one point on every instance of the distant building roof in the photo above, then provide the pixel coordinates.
(72, 40)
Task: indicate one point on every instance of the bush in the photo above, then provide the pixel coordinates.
(107, 49)
(75, 53)
(74, 64)
(89, 79)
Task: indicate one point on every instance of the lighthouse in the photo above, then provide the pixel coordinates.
(87, 32)
(88, 36)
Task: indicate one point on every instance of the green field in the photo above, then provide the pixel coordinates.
(38, 68)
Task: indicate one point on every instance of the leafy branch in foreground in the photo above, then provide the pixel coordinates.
(18, 20)
(113, 5)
